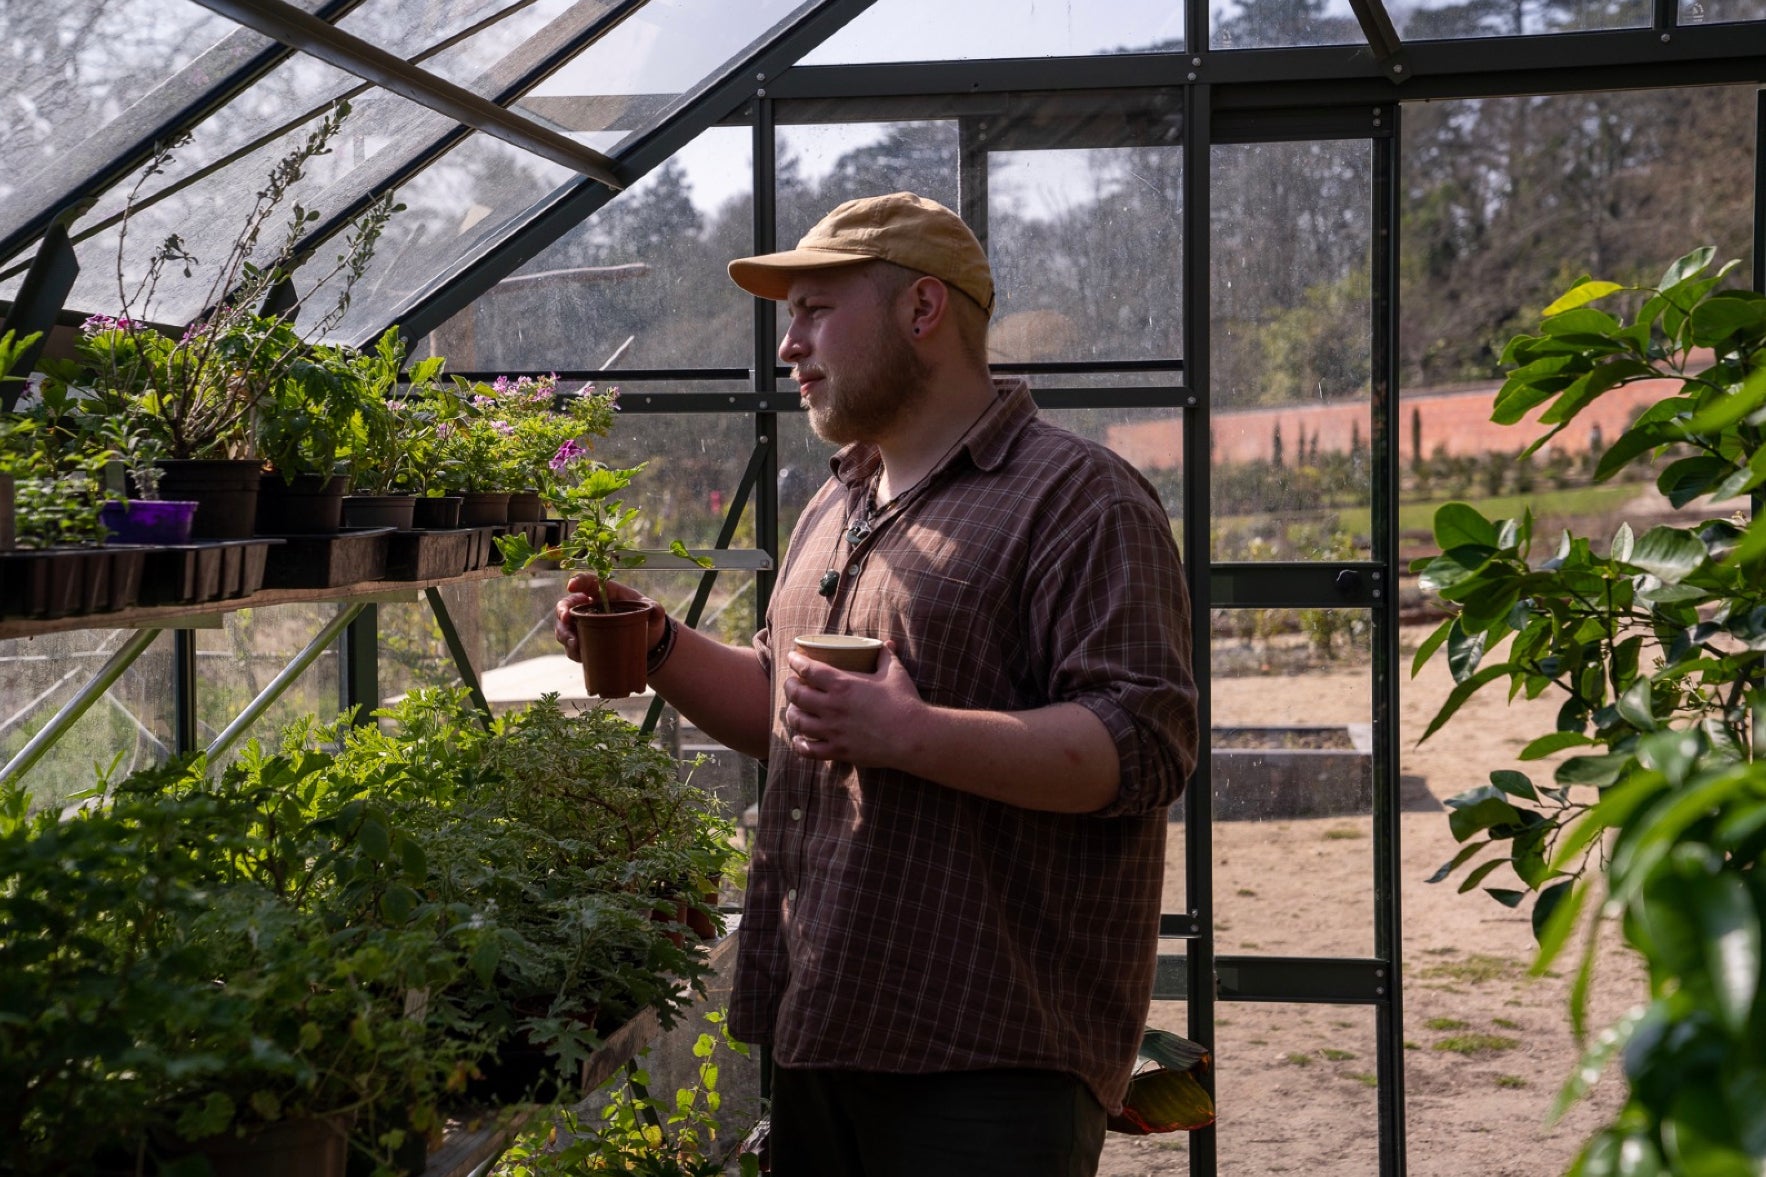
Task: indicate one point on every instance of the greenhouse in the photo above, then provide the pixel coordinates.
(1429, 329)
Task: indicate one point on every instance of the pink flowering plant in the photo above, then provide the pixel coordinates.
(506, 434)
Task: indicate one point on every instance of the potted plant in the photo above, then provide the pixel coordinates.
(12, 350)
(199, 396)
(613, 635)
(391, 436)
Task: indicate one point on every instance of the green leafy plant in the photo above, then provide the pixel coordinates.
(394, 432)
(637, 1132)
(1655, 648)
(601, 538)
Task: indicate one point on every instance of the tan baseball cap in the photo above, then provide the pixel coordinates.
(903, 228)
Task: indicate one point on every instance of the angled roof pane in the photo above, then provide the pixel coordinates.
(641, 283)
(1431, 20)
(88, 77)
(209, 215)
(938, 30)
(473, 47)
(1695, 12)
(455, 208)
(654, 62)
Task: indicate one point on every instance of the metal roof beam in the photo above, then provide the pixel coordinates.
(1376, 26)
(550, 219)
(325, 41)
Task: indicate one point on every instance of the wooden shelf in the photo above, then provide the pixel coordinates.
(465, 1150)
(169, 616)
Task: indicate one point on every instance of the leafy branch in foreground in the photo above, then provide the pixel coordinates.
(1654, 649)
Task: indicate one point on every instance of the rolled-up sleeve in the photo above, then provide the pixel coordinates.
(1112, 607)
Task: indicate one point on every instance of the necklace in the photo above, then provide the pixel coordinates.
(863, 522)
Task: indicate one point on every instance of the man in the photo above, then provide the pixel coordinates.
(953, 900)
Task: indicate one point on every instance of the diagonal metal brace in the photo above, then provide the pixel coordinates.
(77, 706)
(284, 679)
(732, 517)
(457, 648)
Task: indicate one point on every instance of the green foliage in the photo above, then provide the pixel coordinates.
(638, 1132)
(1655, 647)
(512, 434)
(351, 923)
(602, 539)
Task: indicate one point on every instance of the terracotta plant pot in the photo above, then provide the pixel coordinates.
(379, 511)
(526, 506)
(436, 512)
(613, 646)
(225, 489)
(310, 505)
(485, 508)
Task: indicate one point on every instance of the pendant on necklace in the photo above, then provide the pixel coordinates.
(859, 532)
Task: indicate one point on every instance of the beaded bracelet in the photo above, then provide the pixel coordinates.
(665, 645)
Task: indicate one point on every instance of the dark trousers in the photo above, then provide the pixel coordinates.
(1010, 1123)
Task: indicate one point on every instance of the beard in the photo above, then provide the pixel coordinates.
(864, 397)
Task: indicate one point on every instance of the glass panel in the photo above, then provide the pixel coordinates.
(1694, 12)
(900, 30)
(1292, 762)
(237, 661)
(1675, 169)
(1292, 347)
(1087, 252)
(450, 207)
(454, 210)
(653, 63)
(1270, 24)
(822, 166)
(1437, 19)
(641, 284)
(133, 721)
(83, 79)
(1297, 1089)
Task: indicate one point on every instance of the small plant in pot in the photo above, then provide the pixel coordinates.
(613, 635)
(392, 437)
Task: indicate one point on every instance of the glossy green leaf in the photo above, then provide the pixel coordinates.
(1635, 442)
(1430, 644)
(1581, 295)
(1515, 784)
(1686, 266)
(1594, 1062)
(1555, 742)
(1699, 1139)
(1554, 917)
(1725, 410)
(1457, 697)
(1670, 553)
(1634, 706)
(1451, 569)
(1464, 652)
(1729, 926)
(1460, 524)
(1493, 810)
(1624, 542)
(1614, 809)
(1458, 860)
(1726, 314)
(1478, 874)
(1685, 480)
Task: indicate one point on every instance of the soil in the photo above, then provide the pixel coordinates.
(1487, 1046)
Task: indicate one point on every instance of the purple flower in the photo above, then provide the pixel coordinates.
(567, 453)
(503, 428)
(482, 402)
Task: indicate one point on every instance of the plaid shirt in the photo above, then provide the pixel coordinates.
(895, 925)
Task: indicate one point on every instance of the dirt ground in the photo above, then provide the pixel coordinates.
(1486, 1046)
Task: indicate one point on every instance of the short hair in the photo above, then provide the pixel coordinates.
(970, 320)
